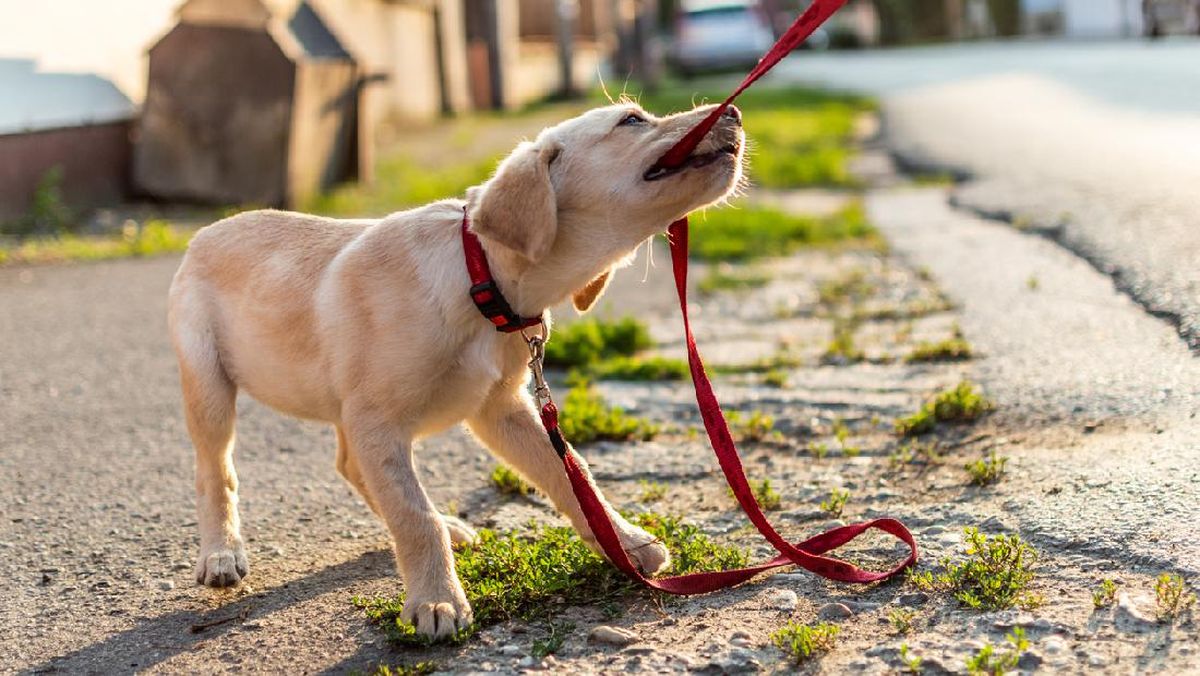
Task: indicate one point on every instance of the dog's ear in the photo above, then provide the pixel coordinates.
(586, 297)
(516, 207)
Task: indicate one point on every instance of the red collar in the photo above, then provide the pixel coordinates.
(484, 292)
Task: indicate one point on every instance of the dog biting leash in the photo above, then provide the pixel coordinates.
(808, 554)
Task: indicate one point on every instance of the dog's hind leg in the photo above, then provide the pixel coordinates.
(347, 466)
(510, 427)
(209, 398)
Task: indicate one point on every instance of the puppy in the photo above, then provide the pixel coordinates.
(367, 325)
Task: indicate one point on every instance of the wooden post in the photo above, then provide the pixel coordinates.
(566, 12)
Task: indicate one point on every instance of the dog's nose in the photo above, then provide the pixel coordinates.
(733, 114)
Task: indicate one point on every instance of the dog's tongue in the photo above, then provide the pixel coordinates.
(816, 14)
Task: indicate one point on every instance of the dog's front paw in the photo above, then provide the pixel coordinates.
(647, 552)
(222, 566)
(438, 614)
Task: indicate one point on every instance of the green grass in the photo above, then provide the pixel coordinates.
(638, 368)
(756, 426)
(842, 348)
(777, 378)
(152, 238)
(901, 619)
(960, 404)
(989, 660)
(950, 349)
(586, 342)
(584, 416)
(752, 232)
(509, 482)
(914, 452)
(767, 497)
(849, 288)
(835, 504)
(652, 491)
(995, 574)
(553, 642)
(415, 669)
(988, 470)
(532, 577)
(725, 277)
(912, 663)
(802, 641)
(1172, 597)
(1105, 594)
(805, 135)
(400, 183)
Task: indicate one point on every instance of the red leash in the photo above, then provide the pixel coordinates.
(808, 554)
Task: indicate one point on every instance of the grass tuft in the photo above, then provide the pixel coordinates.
(652, 491)
(802, 641)
(1172, 597)
(988, 470)
(990, 661)
(154, 237)
(588, 341)
(754, 427)
(725, 277)
(913, 452)
(767, 497)
(1105, 594)
(639, 368)
(842, 348)
(901, 619)
(532, 577)
(585, 417)
(753, 232)
(835, 504)
(995, 575)
(509, 482)
(959, 404)
(950, 349)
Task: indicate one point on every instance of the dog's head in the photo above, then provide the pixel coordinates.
(585, 193)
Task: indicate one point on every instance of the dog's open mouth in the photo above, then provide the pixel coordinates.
(694, 161)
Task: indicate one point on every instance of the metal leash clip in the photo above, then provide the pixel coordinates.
(537, 358)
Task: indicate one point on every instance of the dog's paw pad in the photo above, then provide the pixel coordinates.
(438, 620)
(222, 567)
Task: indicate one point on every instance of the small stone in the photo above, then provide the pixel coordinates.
(525, 662)
(782, 599)
(166, 585)
(741, 639)
(510, 650)
(913, 599)
(834, 611)
(1054, 645)
(611, 635)
(46, 579)
(935, 530)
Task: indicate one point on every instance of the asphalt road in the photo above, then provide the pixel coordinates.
(1097, 145)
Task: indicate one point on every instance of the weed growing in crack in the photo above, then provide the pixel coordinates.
(652, 491)
(802, 641)
(842, 348)
(901, 619)
(960, 404)
(819, 449)
(776, 378)
(950, 349)
(988, 470)
(1172, 596)
(990, 661)
(531, 577)
(835, 504)
(912, 663)
(509, 482)
(852, 287)
(995, 575)
(768, 498)
(588, 341)
(553, 642)
(914, 452)
(754, 427)
(415, 669)
(1104, 595)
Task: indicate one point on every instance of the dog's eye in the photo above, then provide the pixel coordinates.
(631, 119)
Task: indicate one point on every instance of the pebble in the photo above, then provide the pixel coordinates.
(782, 599)
(741, 639)
(834, 611)
(734, 661)
(1054, 645)
(510, 650)
(913, 599)
(166, 585)
(611, 635)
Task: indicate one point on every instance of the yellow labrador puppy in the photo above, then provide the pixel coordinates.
(367, 325)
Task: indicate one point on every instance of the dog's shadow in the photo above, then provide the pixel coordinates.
(157, 639)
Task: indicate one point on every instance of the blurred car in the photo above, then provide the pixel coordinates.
(713, 35)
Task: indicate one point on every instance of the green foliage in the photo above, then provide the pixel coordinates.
(849, 288)
(558, 632)
(841, 348)
(754, 427)
(988, 470)
(725, 277)
(752, 232)
(1172, 597)
(951, 349)
(901, 619)
(802, 641)
(912, 452)
(584, 416)
(768, 498)
(777, 378)
(638, 368)
(835, 504)
(415, 669)
(994, 575)
(533, 577)
(959, 404)
(151, 238)
(401, 183)
(588, 341)
(912, 663)
(1104, 595)
(990, 661)
(48, 212)
(509, 482)
(819, 449)
(652, 491)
